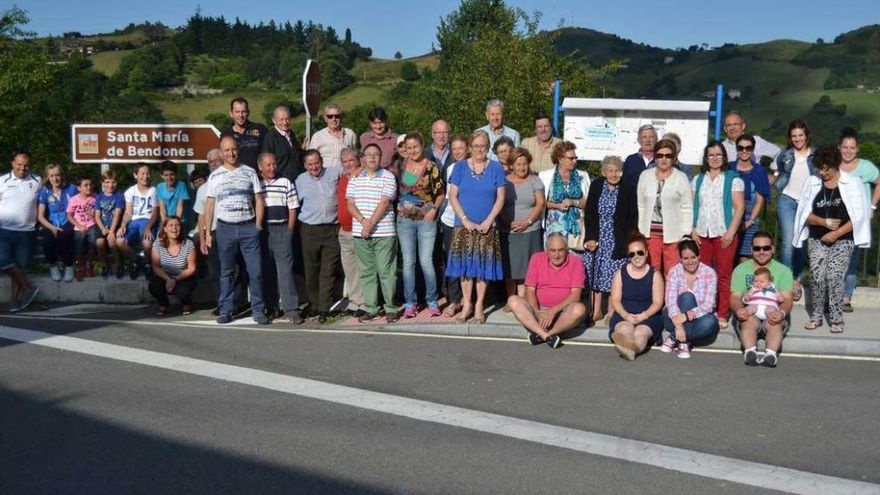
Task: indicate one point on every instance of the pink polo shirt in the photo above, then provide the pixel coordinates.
(553, 284)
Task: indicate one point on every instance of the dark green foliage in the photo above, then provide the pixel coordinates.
(295, 107)
(854, 58)
(409, 71)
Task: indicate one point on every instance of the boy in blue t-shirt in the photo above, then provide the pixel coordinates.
(109, 208)
(172, 194)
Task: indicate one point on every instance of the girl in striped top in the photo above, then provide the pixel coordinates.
(174, 267)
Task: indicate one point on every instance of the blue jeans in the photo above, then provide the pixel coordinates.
(786, 209)
(852, 274)
(417, 239)
(232, 238)
(702, 328)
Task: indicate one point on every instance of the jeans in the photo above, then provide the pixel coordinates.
(278, 249)
(852, 274)
(417, 239)
(59, 247)
(786, 209)
(241, 238)
(703, 327)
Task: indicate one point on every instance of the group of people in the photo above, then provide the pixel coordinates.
(676, 250)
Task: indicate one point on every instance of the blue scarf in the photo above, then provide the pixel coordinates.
(560, 192)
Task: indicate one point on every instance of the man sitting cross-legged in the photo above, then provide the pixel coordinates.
(554, 281)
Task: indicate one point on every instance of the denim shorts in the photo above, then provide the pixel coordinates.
(134, 233)
(16, 248)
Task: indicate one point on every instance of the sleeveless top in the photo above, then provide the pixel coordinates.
(637, 294)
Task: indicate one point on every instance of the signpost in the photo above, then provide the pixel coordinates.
(311, 94)
(149, 143)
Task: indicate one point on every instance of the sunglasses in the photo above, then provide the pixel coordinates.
(633, 254)
(663, 155)
(745, 148)
(762, 248)
(333, 116)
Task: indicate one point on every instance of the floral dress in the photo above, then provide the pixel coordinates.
(600, 264)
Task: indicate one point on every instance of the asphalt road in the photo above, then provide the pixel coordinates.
(73, 422)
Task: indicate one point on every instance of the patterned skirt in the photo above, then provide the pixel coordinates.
(475, 255)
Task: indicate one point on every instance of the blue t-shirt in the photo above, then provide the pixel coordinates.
(56, 206)
(477, 193)
(170, 198)
(108, 204)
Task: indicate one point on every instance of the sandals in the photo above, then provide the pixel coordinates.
(464, 317)
(837, 328)
(451, 310)
(812, 325)
(797, 291)
(479, 320)
(162, 311)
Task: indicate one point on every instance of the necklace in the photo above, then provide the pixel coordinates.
(474, 173)
(828, 200)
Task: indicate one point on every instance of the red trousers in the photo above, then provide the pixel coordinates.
(663, 257)
(721, 260)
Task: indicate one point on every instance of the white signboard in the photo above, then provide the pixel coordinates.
(608, 126)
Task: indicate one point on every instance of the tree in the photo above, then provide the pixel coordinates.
(398, 55)
(409, 71)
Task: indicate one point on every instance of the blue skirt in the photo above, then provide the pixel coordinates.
(475, 255)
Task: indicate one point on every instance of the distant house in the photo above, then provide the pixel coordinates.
(668, 59)
(734, 93)
(708, 94)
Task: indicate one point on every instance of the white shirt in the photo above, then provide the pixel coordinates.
(233, 192)
(710, 223)
(853, 197)
(330, 147)
(448, 216)
(142, 203)
(762, 148)
(18, 201)
(799, 174)
(199, 204)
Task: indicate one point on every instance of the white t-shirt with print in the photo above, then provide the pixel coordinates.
(233, 192)
(142, 203)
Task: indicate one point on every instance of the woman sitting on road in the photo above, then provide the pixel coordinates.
(174, 267)
(691, 288)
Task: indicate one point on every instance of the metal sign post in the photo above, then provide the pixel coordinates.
(311, 94)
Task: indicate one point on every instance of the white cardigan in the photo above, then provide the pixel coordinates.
(853, 196)
(676, 201)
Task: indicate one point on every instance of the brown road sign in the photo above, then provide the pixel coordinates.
(150, 143)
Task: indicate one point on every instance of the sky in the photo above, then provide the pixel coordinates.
(410, 27)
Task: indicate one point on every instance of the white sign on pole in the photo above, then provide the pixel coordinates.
(601, 127)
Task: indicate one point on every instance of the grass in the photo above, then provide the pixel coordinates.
(108, 62)
(382, 70)
(789, 105)
(194, 110)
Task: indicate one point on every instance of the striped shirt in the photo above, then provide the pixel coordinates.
(367, 192)
(704, 289)
(280, 196)
(174, 265)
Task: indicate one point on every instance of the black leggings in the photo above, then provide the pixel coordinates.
(183, 290)
(58, 248)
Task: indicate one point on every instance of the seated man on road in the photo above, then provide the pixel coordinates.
(554, 281)
(749, 325)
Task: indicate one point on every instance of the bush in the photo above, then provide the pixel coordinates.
(230, 81)
(409, 71)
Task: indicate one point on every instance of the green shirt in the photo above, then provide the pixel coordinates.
(741, 280)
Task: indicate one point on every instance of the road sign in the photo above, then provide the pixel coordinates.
(150, 143)
(311, 94)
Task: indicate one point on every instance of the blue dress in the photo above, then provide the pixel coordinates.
(637, 295)
(600, 265)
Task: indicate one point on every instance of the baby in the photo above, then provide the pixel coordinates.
(763, 295)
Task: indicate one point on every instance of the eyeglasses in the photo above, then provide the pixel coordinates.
(333, 116)
(663, 155)
(568, 157)
(633, 254)
(762, 248)
(744, 148)
(715, 155)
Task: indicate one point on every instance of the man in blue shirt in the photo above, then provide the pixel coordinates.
(642, 160)
(496, 128)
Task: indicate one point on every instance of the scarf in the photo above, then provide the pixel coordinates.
(559, 191)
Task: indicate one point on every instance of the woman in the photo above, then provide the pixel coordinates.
(718, 211)
(57, 232)
(665, 206)
(756, 192)
(636, 299)
(566, 191)
(419, 195)
(868, 174)
(458, 150)
(520, 224)
(476, 194)
(174, 267)
(795, 165)
(609, 220)
(833, 218)
(502, 148)
(369, 198)
(691, 288)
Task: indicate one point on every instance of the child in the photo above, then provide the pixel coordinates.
(139, 223)
(81, 214)
(172, 193)
(763, 295)
(108, 215)
(57, 232)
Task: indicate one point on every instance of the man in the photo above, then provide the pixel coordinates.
(734, 127)
(643, 159)
(439, 151)
(248, 135)
(319, 230)
(351, 167)
(330, 140)
(277, 239)
(282, 142)
(554, 281)
(380, 135)
(19, 191)
(542, 144)
(496, 128)
(235, 197)
(749, 325)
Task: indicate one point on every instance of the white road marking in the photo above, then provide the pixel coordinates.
(243, 325)
(671, 458)
(82, 309)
